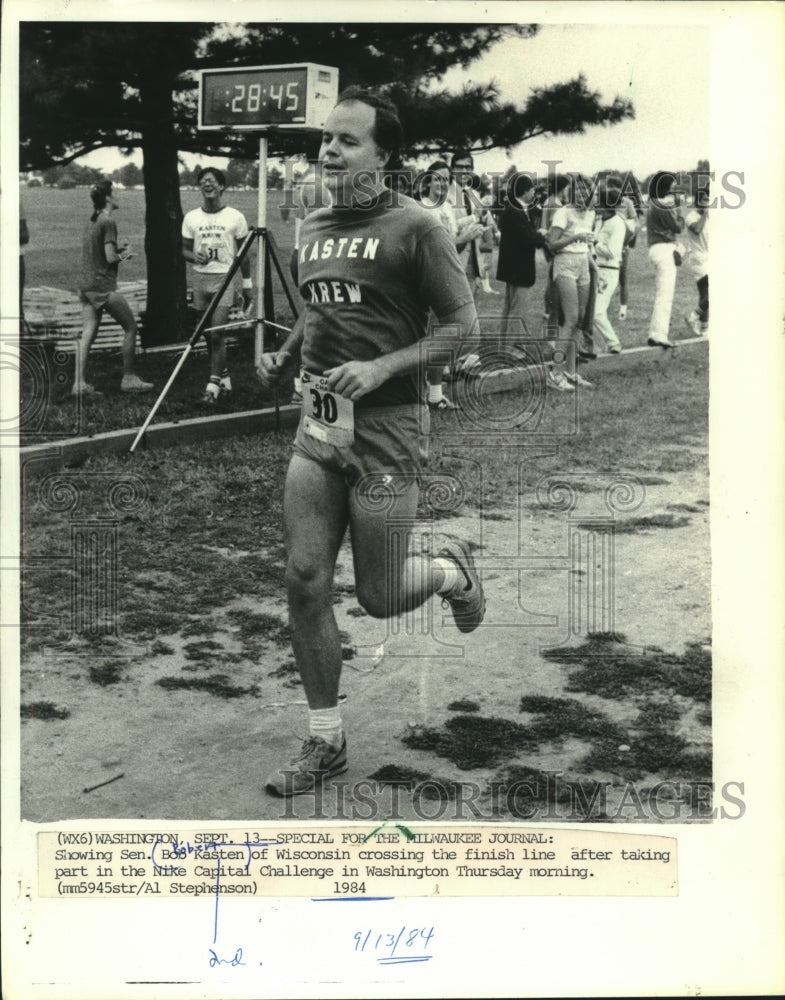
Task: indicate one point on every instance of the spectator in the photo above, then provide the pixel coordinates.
(469, 227)
(519, 240)
(487, 241)
(101, 256)
(558, 187)
(434, 193)
(570, 239)
(696, 239)
(609, 249)
(212, 235)
(663, 226)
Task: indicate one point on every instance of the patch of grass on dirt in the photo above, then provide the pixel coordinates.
(160, 648)
(199, 626)
(216, 684)
(567, 717)
(628, 525)
(610, 669)
(525, 790)
(109, 672)
(147, 622)
(45, 710)
(408, 777)
(472, 741)
(204, 650)
(463, 705)
(392, 774)
(254, 626)
(286, 669)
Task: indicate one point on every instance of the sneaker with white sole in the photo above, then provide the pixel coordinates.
(579, 380)
(316, 760)
(694, 324)
(557, 381)
(132, 383)
(441, 404)
(85, 389)
(467, 602)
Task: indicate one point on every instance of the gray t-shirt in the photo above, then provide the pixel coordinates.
(368, 277)
(98, 275)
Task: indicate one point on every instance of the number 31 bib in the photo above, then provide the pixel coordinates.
(326, 416)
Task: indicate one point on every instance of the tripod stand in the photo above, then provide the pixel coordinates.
(269, 256)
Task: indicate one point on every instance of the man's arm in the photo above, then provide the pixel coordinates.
(356, 379)
(273, 364)
(189, 255)
(245, 270)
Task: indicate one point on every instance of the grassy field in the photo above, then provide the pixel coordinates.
(56, 219)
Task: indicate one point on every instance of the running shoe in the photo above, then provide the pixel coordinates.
(576, 379)
(209, 398)
(664, 344)
(85, 389)
(557, 381)
(132, 383)
(442, 404)
(316, 760)
(622, 312)
(467, 603)
(297, 398)
(694, 324)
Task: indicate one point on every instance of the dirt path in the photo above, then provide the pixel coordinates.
(203, 753)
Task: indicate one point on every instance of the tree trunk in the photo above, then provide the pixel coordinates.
(165, 319)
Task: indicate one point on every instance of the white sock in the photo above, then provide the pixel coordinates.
(298, 384)
(226, 382)
(435, 393)
(326, 723)
(452, 575)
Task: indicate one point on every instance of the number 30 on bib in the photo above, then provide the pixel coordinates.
(326, 416)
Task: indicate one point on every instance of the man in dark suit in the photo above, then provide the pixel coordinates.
(519, 241)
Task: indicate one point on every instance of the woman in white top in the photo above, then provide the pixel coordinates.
(435, 196)
(609, 251)
(571, 239)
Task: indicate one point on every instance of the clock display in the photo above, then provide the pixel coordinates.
(255, 97)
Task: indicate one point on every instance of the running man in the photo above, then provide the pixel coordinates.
(212, 236)
(370, 267)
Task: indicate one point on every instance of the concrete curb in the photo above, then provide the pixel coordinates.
(75, 451)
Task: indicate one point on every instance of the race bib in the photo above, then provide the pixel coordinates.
(326, 416)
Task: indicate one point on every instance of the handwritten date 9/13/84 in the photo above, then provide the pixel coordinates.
(393, 947)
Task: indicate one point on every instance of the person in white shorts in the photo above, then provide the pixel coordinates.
(570, 239)
(212, 236)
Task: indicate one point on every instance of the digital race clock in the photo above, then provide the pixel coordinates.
(256, 97)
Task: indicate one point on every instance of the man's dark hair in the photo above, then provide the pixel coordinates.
(461, 154)
(557, 182)
(218, 174)
(661, 183)
(387, 129)
(99, 195)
